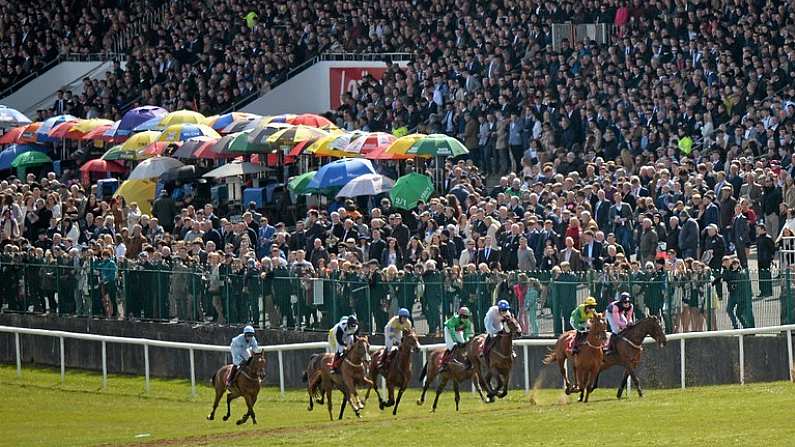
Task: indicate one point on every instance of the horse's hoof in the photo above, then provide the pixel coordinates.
(240, 422)
(381, 405)
(210, 417)
(226, 418)
(419, 402)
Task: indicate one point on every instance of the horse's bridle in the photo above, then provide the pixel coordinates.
(359, 365)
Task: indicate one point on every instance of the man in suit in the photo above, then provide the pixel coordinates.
(741, 235)
(508, 247)
(591, 252)
(470, 255)
(547, 234)
(621, 219)
(647, 251)
(377, 246)
(488, 253)
(766, 250)
(571, 255)
(688, 236)
(601, 211)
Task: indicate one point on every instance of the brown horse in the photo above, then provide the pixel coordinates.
(456, 370)
(398, 373)
(499, 361)
(560, 353)
(627, 350)
(351, 374)
(247, 385)
(589, 359)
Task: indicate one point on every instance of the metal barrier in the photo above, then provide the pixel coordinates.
(280, 349)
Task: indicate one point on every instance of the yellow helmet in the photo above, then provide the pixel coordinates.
(590, 301)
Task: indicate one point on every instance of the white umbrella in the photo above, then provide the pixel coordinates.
(12, 117)
(236, 168)
(153, 167)
(366, 185)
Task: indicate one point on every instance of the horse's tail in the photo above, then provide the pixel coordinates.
(423, 372)
(552, 356)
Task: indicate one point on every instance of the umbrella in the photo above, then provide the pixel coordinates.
(181, 132)
(30, 158)
(336, 174)
(153, 167)
(192, 145)
(345, 139)
(299, 183)
(299, 148)
(137, 116)
(49, 123)
(10, 153)
(181, 117)
(383, 154)
(111, 133)
(322, 147)
(221, 122)
(141, 192)
(187, 172)
(403, 144)
(12, 117)
(140, 140)
(157, 148)
(100, 165)
(438, 145)
(11, 136)
(29, 134)
(410, 189)
(294, 135)
(99, 133)
(118, 153)
(370, 142)
(283, 118)
(85, 127)
(366, 185)
(150, 124)
(62, 131)
(257, 139)
(235, 169)
(310, 119)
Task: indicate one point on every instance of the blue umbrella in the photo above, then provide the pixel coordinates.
(336, 174)
(8, 155)
(137, 116)
(149, 124)
(42, 134)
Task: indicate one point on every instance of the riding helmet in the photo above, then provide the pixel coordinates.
(403, 312)
(625, 298)
(248, 330)
(352, 321)
(590, 301)
(503, 305)
(464, 311)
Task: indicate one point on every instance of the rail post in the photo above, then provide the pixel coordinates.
(526, 370)
(192, 374)
(19, 354)
(742, 360)
(682, 362)
(281, 373)
(789, 354)
(146, 368)
(63, 364)
(104, 364)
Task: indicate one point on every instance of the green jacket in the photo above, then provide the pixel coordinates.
(579, 318)
(456, 324)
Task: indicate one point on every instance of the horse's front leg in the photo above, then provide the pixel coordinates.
(636, 382)
(623, 384)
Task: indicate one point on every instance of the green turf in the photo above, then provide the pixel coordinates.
(38, 411)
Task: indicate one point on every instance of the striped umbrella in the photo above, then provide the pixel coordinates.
(258, 138)
(12, 135)
(403, 144)
(370, 142)
(12, 117)
(191, 146)
(292, 136)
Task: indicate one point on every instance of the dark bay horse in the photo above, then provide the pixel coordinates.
(589, 359)
(455, 370)
(247, 385)
(628, 347)
(499, 361)
(351, 374)
(398, 373)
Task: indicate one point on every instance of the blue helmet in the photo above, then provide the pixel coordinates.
(503, 305)
(248, 330)
(403, 312)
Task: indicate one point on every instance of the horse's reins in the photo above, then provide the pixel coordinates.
(631, 343)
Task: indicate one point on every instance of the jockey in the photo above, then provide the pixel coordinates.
(241, 347)
(341, 336)
(493, 322)
(393, 334)
(620, 315)
(458, 331)
(579, 320)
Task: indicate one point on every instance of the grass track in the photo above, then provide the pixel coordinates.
(38, 411)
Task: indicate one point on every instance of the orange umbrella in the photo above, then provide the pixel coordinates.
(310, 119)
(12, 135)
(381, 154)
(158, 147)
(98, 133)
(62, 130)
(29, 134)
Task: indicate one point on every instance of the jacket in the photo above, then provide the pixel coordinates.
(459, 329)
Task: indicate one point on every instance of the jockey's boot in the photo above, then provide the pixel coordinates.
(230, 380)
(335, 365)
(445, 359)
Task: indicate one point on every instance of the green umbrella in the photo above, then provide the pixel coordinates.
(438, 145)
(240, 143)
(119, 153)
(31, 158)
(299, 183)
(410, 189)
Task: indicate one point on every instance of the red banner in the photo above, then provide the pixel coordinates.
(347, 79)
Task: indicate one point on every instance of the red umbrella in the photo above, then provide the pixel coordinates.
(298, 149)
(100, 165)
(206, 151)
(11, 136)
(158, 147)
(310, 119)
(62, 130)
(381, 154)
(98, 133)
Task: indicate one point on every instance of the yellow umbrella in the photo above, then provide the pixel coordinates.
(140, 140)
(293, 135)
(181, 117)
(181, 132)
(86, 126)
(141, 192)
(402, 144)
(323, 147)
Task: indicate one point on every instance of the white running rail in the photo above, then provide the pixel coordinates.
(280, 349)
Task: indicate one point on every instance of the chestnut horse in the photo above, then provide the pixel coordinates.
(399, 372)
(455, 370)
(627, 350)
(499, 361)
(247, 385)
(588, 360)
(351, 374)
(559, 354)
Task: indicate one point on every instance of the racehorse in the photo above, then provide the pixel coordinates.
(589, 359)
(627, 349)
(560, 353)
(247, 385)
(398, 373)
(352, 373)
(499, 360)
(456, 370)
